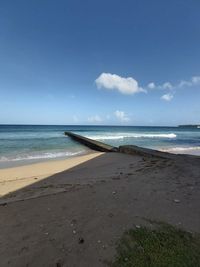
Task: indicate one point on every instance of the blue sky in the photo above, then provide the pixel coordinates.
(100, 62)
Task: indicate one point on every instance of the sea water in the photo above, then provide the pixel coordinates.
(24, 144)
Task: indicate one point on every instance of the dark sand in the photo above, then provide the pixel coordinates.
(75, 217)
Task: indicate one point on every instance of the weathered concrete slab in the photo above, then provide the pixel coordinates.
(136, 150)
(93, 144)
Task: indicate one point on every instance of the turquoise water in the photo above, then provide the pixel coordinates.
(21, 144)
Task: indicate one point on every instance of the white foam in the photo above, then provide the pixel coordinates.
(109, 137)
(131, 135)
(180, 149)
(45, 155)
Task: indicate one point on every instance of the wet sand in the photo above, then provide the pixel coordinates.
(73, 215)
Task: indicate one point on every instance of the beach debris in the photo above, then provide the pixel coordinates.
(99, 241)
(138, 226)
(114, 192)
(81, 240)
(74, 232)
(176, 200)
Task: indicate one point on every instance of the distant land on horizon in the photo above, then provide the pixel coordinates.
(190, 125)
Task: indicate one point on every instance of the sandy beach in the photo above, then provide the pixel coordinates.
(12, 179)
(72, 212)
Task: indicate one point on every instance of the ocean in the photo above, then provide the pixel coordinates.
(24, 144)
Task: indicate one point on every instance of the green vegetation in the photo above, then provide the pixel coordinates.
(164, 246)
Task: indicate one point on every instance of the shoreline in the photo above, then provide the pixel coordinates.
(24, 162)
(185, 151)
(15, 178)
(172, 151)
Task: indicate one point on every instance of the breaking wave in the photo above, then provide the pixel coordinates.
(180, 149)
(44, 155)
(131, 135)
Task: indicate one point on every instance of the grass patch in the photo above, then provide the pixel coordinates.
(164, 246)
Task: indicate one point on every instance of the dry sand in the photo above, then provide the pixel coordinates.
(75, 211)
(12, 179)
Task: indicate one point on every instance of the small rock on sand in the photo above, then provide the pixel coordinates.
(81, 240)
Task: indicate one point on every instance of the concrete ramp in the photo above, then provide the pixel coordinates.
(126, 149)
(136, 150)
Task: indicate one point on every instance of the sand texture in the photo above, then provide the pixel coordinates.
(72, 213)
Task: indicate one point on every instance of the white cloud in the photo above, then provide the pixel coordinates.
(120, 115)
(196, 79)
(95, 119)
(151, 85)
(167, 97)
(167, 85)
(115, 82)
(184, 84)
(130, 86)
